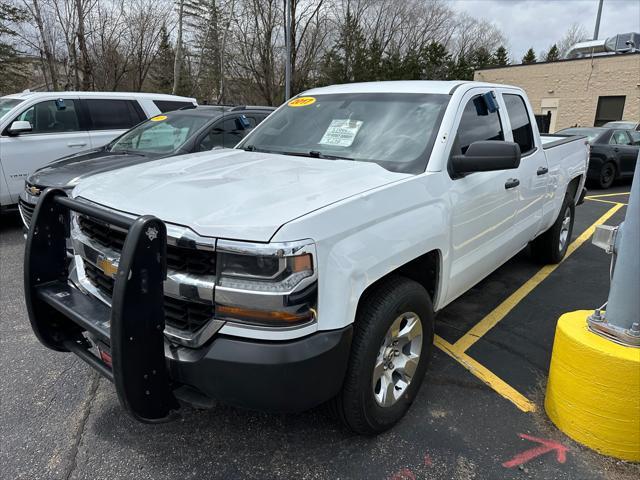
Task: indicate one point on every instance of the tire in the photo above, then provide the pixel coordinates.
(552, 245)
(362, 404)
(607, 175)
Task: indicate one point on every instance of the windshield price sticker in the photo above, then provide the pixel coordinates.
(301, 101)
(341, 133)
(159, 118)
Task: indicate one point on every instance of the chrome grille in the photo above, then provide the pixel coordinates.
(26, 211)
(186, 316)
(180, 259)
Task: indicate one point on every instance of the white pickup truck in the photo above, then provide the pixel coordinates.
(306, 265)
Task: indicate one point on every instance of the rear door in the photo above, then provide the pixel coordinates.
(625, 150)
(483, 204)
(533, 172)
(108, 117)
(56, 132)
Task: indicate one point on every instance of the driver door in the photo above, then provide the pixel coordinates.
(484, 204)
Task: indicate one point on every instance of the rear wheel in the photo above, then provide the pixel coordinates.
(552, 245)
(607, 175)
(392, 344)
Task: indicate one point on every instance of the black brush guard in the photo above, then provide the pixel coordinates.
(133, 326)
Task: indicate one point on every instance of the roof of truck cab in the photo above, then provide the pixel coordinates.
(402, 86)
(127, 95)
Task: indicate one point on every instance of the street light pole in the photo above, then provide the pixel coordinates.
(597, 29)
(287, 63)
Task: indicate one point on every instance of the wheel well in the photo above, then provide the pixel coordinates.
(425, 270)
(572, 188)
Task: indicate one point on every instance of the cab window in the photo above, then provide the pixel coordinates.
(520, 122)
(477, 123)
(227, 133)
(620, 137)
(51, 116)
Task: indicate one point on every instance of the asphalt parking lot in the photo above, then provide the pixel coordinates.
(478, 415)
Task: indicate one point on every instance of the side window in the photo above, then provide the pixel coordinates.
(620, 138)
(226, 133)
(477, 123)
(520, 122)
(170, 105)
(111, 114)
(52, 116)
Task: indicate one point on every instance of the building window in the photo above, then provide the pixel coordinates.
(609, 109)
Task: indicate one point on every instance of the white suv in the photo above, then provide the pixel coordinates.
(39, 127)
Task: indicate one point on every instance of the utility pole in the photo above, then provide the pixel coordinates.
(287, 63)
(621, 321)
(597, 29)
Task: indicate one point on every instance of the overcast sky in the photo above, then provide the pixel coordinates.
(540, 23)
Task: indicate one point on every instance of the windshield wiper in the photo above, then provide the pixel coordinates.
(316, 154)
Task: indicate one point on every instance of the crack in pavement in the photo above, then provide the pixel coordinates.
(86, 410)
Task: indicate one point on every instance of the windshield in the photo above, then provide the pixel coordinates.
(394, 130)
(590, 133)
(6, 104)
(160, 134)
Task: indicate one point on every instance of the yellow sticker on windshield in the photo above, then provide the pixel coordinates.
(301, 101)
(158, 118)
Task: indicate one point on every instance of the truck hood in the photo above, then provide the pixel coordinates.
(232, 193)
(69, 170)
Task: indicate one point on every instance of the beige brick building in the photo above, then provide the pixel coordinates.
(583, 91)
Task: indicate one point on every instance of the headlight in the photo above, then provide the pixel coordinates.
(263, 273)
(266, 284)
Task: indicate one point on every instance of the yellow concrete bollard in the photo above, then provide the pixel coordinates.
(593, 391)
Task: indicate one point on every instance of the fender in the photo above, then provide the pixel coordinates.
(386, 228)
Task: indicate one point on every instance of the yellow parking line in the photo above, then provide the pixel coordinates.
(604, 201)
(488, 322)
(486, 375)
(607, 195)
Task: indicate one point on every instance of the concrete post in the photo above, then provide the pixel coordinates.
(621, 321)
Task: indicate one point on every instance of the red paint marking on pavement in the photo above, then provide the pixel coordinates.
(404, 474)
(546, 446)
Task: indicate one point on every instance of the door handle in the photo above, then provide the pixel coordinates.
(616, 149)
(511, 183)
(79, 144)
(542, 171)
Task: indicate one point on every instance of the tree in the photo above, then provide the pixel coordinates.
(177, 63)
(44, 43)
(435, 60)
(13, 72)
(575, 33)
(529, 57)
(480, 58)
(501, 57)
(553, 55)
(161, 73)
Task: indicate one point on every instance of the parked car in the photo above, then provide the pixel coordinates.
(623, 125)
(39, 127)
(614, 153)
(191, 129)
(306, 265)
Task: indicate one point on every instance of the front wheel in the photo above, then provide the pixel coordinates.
(552, 245)
(392, 345)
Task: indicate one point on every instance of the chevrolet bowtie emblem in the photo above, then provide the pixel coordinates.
(107, 267)
(33, 190)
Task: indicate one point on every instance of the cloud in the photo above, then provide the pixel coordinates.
(540, 23)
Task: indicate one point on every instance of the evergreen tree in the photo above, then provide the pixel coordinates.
(435, 61)
(553, 55)
(529, 57)
(349, 58)
(480, 58)
(14, 74)
(375, 57)
(162, 69)
(500, 57)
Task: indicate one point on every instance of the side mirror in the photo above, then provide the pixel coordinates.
(486, 156)
(19, 126)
